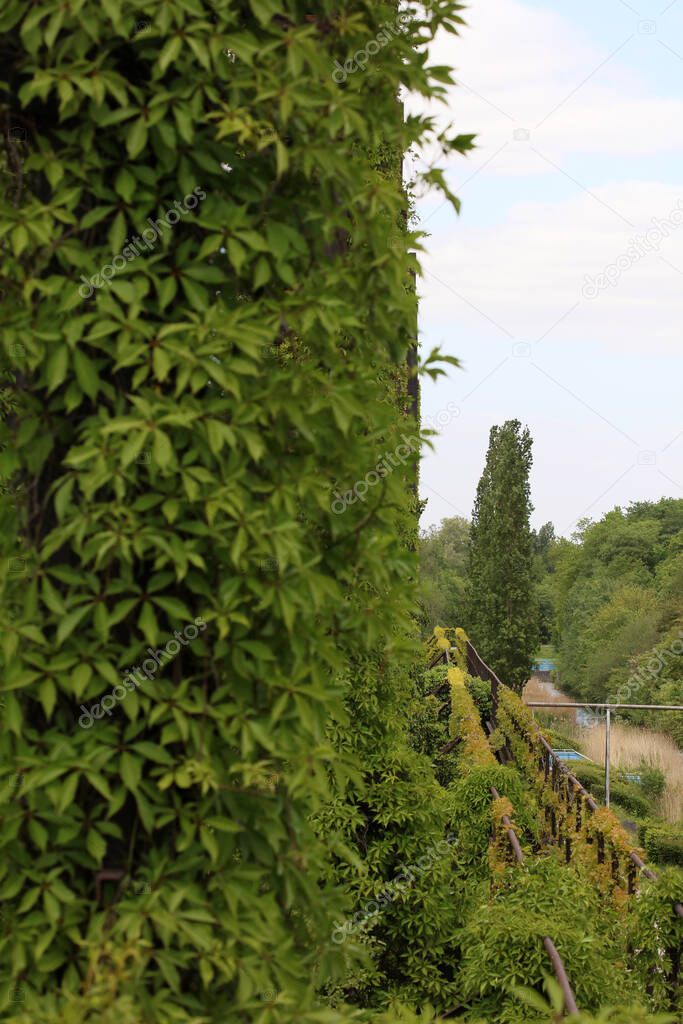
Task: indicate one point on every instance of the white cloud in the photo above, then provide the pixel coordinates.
(531, 268)
(603, 386)
(530, 68)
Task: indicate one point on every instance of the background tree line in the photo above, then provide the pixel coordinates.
(609, 600)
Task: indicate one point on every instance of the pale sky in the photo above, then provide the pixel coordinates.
(579, 112)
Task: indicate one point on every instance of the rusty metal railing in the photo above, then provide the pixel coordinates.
(551, 763)
(475, 666)
(559, 774)
(552, 767)
(548, 944)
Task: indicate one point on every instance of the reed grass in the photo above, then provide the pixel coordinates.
(631, 746)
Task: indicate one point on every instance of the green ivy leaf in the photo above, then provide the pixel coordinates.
(136, 139)
(69, 623)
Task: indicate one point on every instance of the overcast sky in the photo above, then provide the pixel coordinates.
(579, 112)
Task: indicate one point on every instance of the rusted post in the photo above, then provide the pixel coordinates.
(631, 878)
(615, 865)
(511, 834)
(561, 975)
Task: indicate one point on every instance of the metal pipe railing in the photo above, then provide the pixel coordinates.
(593, 805)
(549, 945)
(561, 975)
(610, 707)
(511, 834)
(476, 666)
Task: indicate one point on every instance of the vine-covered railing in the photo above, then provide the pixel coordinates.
(548, 944)
(474, 750)
(577, 823)
(454, 644)
(573, 815)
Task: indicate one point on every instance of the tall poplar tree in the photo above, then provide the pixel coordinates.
(501, 611)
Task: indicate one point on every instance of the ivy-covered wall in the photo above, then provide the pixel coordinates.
(205, 292)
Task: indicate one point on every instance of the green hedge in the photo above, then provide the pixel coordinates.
(662, 843)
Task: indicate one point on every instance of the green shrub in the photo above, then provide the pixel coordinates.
(652, 780)
(401, 884)
(628, 795)
(428, 734)
(662, 843)
(591, 775)
(502, 943)
(656, 933)
(432, 679)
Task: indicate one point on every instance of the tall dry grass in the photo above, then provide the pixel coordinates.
(631, 746)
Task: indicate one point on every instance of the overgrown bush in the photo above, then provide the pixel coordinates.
(655, 934)
(628, 795)
(502, 944)
(652, 780)
(465, 726)
(432, 679)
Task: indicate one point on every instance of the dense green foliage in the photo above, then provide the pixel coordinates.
(501, 613)
(185, 419)
(662, 843)
(618, 592)
(443, 566)
(543, 898)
